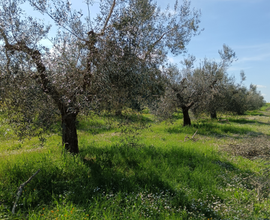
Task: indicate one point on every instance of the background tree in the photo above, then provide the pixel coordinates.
(194, 88)
(255, 99)
(88, 60)
(234, 97)
(241, 99)
(219, 99)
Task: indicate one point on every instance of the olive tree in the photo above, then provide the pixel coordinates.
(255, 98)
(194, 88)
(219, 101)
(230, 96)
(234, 97)
(91, 61)
(242, 99)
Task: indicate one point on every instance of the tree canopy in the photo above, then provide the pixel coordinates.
(207, 89)
(92, 62)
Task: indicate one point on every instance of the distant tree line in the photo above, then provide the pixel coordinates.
(207, 89)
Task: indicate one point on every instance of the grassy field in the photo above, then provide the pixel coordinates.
(137, 168)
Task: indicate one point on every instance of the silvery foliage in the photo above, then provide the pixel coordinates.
(255, 99)
(195, 87)
(92, 61)
(232, 97)
(240, 99)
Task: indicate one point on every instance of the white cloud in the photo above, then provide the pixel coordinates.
(235, 69)
(255, 58)
(260, 86)
(254, 46)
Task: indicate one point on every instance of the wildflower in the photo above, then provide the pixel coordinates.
(71, 212)
(52, 211)
(43, 208)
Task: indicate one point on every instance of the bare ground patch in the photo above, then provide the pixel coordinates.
(251, 147)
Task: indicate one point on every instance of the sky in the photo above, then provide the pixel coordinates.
(243, 25)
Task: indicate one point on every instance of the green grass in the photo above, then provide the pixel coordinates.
(132, 167)
(265, 107)
(260, 111)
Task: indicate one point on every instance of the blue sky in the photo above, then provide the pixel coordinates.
(244, 25)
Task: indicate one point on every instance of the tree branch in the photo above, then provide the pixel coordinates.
(6, 41)
(156, 42)
(20, 189)
(36, 56)
(192, 138)
(51, 16)
(108, 18)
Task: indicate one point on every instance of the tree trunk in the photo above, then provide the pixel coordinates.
(213, 115)
(186, 116)
(69, 133)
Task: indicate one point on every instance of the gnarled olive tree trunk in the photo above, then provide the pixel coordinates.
(186, 118)
(69, 133)
(213, 115)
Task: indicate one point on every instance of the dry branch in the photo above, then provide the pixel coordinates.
(192, 138)
(20, 189)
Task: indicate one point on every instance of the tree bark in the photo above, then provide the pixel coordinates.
(69, 133)
(186, 118)
(213, 115)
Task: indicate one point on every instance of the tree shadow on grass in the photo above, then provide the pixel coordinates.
(144, 174)
(136, 170)
(255, 113)
(210, 128)
(245, 121)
